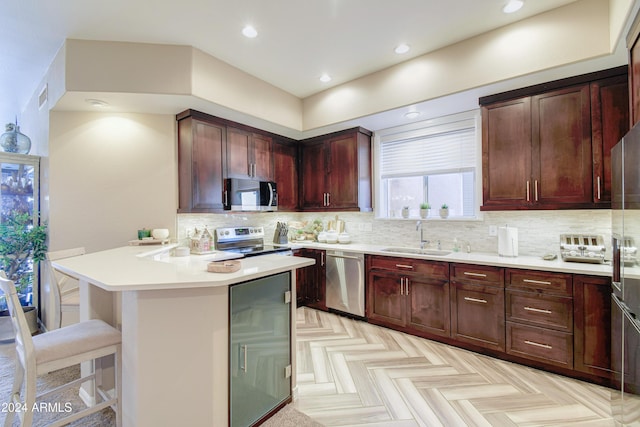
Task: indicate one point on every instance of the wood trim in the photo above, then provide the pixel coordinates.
(553, 85)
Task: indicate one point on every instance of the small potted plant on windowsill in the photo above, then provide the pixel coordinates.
(444, 211)
(22, 245)
(424, 210)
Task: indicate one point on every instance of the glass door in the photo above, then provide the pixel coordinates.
(19, 194)
(259, 347)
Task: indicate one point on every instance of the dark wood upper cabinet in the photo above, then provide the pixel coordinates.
(609, 123)
(201, 150)
(561, 148)
(634, 71)
(249, 155)
(285, 174)
(336, 171)
(548, 146)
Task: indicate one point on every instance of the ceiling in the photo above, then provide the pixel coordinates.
(298, 40)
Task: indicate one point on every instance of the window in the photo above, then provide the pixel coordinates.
(433, 161)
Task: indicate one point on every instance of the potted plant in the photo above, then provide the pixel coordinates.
(22, 245)
(444, 211)
(424, 210)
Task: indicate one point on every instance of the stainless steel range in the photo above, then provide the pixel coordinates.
(248, 241)
(588, 248)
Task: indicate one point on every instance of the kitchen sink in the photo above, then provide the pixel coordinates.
(417, 251)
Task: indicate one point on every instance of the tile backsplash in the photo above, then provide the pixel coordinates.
(538, 231)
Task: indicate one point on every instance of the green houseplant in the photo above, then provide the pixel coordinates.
(22, 245)
(424, 210)
(444, 211)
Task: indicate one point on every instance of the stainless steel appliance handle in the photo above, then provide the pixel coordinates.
(344, 257)
(270, 194)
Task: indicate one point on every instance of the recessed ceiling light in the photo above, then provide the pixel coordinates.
(513, 6)
(412, 114)
(97, 103)
(325, 78)
(402, 48)
(250, 32)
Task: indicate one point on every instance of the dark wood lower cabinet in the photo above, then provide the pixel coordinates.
(592, 325)
(310, 281)
(554, 321)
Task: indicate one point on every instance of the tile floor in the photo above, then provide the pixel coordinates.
(351, 373)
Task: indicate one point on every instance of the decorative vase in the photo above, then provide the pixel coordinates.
(405, 212)
(13, 141)
(424, 213)
(444, 213)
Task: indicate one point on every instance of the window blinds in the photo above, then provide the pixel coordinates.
(439, 151)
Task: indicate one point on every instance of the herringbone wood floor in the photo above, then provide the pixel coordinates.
(351, 373)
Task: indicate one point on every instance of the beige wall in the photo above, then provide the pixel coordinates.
(110, 175)
(569, 34)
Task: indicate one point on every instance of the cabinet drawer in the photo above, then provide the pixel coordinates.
(434, 269)
(557, 283)
(477, 315)
(540, 344)
(542, 310)
(480, 274)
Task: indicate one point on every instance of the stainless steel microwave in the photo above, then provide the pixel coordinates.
(250, 195)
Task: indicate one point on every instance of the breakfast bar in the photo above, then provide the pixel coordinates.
(174, 316)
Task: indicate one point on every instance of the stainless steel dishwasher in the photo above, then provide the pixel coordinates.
(345, 282)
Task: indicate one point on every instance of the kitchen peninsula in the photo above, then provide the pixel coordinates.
(175, 321)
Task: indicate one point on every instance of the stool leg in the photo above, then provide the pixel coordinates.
(29, 397)
(14, 398)
(118, 385)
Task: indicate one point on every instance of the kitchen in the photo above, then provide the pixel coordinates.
(150, 194)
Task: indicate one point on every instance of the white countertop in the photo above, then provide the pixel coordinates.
(135, 268)
(481, 258)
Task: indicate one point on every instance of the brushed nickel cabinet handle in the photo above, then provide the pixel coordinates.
(328, 199)
(528, 192)
(483, 301)
(467, 273)
(598, 180)
(537, 344)
(535, 189)
(537, 282)
(410, 267)
(406, 283)
(538, 310)
(402, 286)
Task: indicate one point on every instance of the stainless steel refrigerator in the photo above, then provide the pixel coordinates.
(625, 307)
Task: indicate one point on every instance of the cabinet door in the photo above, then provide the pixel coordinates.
(313, 170)
(477, 315)
(310, 285)
(238, 162)
(609, 123)
(561, 148)
(342, 172)
(286, 175)
(200, 165)
(385, 298)
(506, 153)
(428, 305)
(592, 325)
(261, 157)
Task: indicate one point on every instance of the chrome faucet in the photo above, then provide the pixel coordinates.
(422, 241)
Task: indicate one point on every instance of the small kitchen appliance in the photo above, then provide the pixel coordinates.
(587, 248)
(249, 241)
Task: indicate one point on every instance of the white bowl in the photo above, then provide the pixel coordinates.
(344, 238)
(332, 237)
(160, 233)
